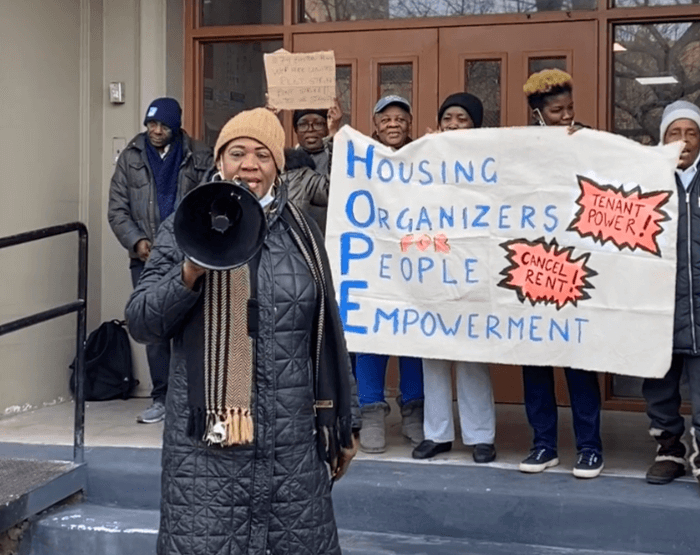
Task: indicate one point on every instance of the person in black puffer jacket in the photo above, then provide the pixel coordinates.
(156, 169)
(255, 437)
(307, 188)
(680, 122)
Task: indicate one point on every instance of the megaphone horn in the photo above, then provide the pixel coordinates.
(220, 225)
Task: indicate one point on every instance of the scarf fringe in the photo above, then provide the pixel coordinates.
(227, 427)
(331, 439)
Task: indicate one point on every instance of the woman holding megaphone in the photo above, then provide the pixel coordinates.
(261, 413)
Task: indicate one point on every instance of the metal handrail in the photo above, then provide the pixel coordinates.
(79, 306)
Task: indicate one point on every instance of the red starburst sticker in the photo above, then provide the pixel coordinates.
(628, 219)
(542, 272)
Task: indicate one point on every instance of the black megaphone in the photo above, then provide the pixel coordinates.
(220, 225)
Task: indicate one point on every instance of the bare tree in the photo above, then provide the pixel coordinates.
(653, 50)
(345, 10)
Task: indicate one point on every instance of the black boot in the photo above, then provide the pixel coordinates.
(670, 458)
(695, 456)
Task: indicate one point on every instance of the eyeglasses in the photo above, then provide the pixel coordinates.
(315, 125)
(154, 124)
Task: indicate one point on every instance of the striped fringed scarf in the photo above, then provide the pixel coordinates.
(228, 358)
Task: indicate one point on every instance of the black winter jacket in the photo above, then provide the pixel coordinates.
(133, 204)
(271, 497)
(686, 332)
(323, 158)
(307, 188)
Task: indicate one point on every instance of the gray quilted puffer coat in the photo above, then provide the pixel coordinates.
(133, 205)
(271, 497)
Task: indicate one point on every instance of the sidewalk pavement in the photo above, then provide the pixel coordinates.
(628, 448)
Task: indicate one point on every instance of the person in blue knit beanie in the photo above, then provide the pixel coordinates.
(157, 168)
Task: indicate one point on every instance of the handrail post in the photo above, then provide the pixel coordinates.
(79, 420)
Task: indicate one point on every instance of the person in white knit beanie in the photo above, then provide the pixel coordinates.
(680, 122)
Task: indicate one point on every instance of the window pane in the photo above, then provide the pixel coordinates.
(396, 79)
(630, 387)
(482, 78)
(234, 80)
(343, 87)
(626, 386)
(240, 12)
(538, 64)
(647, 3)
(312, 11)
(654, 65)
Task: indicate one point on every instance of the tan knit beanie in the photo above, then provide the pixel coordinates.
(259, 124)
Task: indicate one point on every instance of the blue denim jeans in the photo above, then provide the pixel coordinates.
(371, 373)
(158, 354)
(541, 406)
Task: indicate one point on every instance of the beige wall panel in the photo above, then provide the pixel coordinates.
(133, 32)
(39, 146)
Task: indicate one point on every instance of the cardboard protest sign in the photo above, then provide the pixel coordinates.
(300, 80)
(515, 245)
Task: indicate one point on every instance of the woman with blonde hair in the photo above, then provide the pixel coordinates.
(550, 96)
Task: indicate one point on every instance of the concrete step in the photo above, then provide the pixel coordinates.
(87, 529)
(372, 543)
(124, 477)
(452, 503)
(91, 529)
(607, 514)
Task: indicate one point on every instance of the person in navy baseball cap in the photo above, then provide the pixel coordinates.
(391, 100)
(392, 121)
(392, 125)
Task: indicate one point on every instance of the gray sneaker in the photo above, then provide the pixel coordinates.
(154, 413)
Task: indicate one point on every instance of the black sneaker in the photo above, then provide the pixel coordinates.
(588, 464)
(539, 459)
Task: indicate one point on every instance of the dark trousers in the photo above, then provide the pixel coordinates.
(663, 396)
(158, 354)
(541, 406)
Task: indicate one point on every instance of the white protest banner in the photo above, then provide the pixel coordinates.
(300, 80)
(515, 245)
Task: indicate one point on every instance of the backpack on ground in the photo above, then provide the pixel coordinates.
(109, 372)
